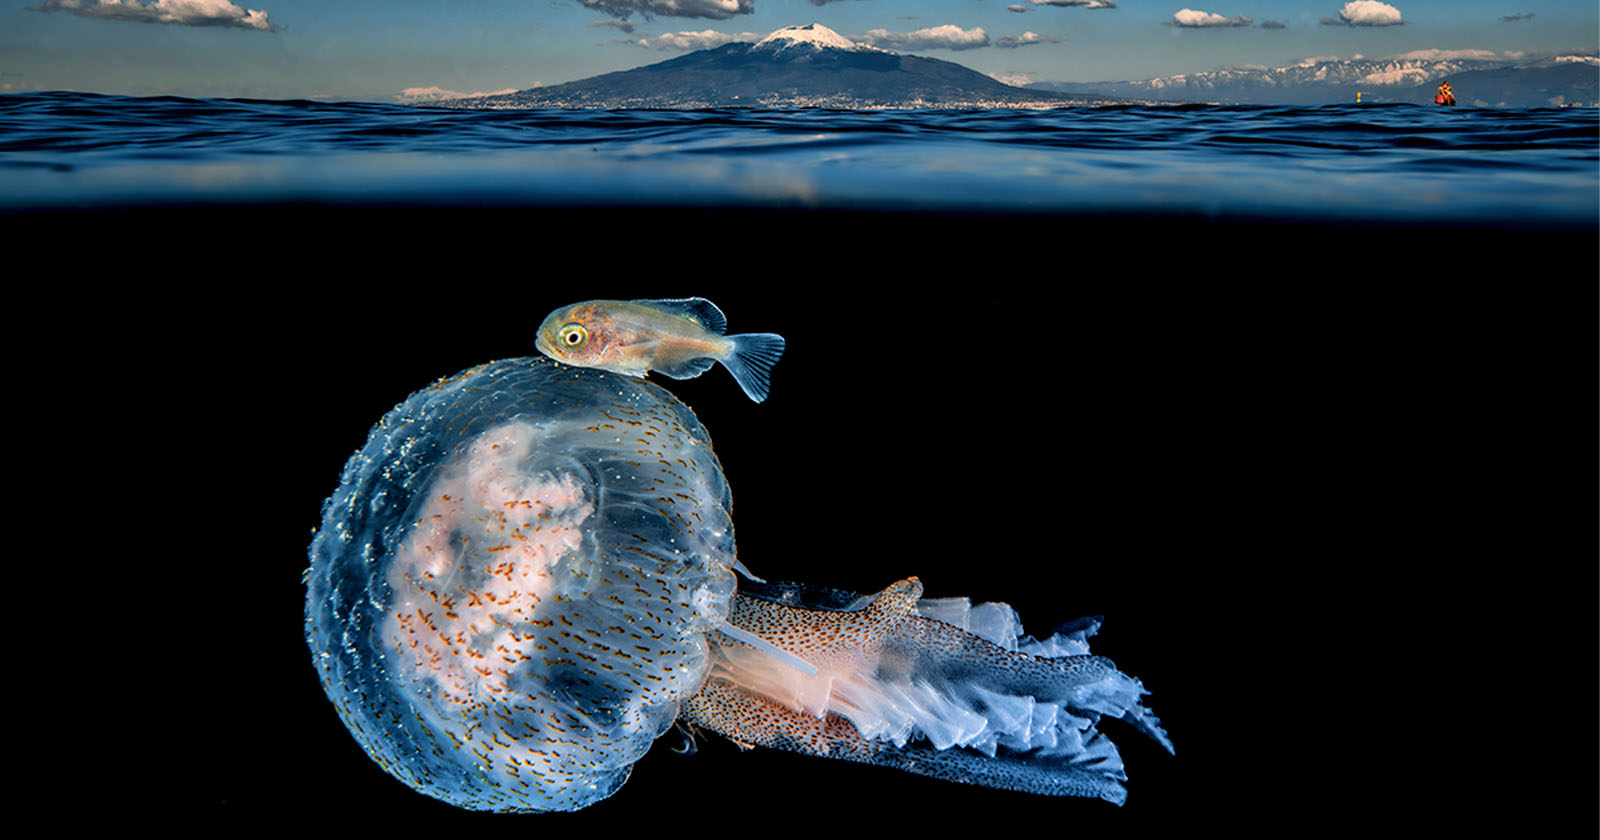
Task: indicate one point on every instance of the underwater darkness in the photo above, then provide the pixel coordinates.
(1276, 451)
(1256, 485)
(1278, 471)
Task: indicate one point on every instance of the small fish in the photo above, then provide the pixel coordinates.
(679, 338)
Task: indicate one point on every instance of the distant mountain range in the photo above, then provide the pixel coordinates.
(1484, 82)
(814, 67)
(795, 67)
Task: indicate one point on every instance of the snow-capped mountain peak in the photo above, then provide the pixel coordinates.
(814, 34)
(1481, 78)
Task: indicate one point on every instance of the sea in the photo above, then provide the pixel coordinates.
(911, 192)
(1333, 162)
(1263, 385)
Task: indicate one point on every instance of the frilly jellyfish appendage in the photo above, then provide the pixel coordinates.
(526, 575)
(509, 594)
(934, 687)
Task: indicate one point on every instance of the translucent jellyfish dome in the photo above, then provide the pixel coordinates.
(510, 589)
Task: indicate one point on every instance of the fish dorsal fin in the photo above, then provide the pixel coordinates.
(701, 311)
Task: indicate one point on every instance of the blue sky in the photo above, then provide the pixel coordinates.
(377, 50)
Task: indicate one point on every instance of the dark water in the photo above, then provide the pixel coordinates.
(1336, 163)
(1263, 450)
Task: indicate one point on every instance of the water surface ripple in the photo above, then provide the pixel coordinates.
(1339, 161)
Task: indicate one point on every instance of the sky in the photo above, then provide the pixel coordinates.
(394, 50)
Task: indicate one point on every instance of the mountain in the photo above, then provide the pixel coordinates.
(795, 67)
(1480, 81)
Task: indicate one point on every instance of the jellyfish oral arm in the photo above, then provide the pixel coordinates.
(746, 637)
(752, 720)
(895, 688)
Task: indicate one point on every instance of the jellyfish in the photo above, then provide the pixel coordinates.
(528, 574)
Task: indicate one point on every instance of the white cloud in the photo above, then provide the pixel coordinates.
(1274, 24)
(702, 40)
(1017, 7)
(417, 95)
(220, 13)
(946, 37)
(1194, 18)
(1445, 55)
(1025, 39)
(1087, 4)
(1366, 13)
(714, 9)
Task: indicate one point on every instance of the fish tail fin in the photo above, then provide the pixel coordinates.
(751, 362)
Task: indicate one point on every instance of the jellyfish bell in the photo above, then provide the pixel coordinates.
(510, 590)
(528, 574)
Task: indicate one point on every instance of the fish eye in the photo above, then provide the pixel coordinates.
(573, 335)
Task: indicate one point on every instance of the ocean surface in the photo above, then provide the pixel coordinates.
(1335, 163)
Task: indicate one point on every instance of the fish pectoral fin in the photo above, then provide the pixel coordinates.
(687, 369)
